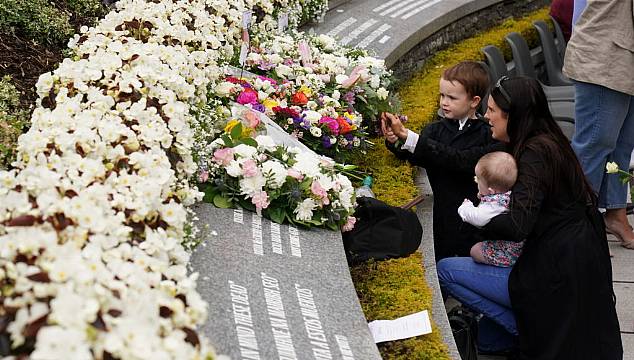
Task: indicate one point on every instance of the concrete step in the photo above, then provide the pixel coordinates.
(625, 305)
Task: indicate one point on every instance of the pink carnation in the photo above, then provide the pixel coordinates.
(295, 174)
(349, 225)
(223, 156)
(248, 96)
(252, 118)
(203, 176)
(260, 200)
(320, 192)
(249, 168)
(354, 76)
(332, 124)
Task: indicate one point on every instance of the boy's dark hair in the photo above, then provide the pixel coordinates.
(498, 169)
(472, 75)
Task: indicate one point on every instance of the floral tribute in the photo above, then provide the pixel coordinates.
(283, 184)
(315, 119)
(94, 217)
(318, 64)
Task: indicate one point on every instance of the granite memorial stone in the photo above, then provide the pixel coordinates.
(276, 291)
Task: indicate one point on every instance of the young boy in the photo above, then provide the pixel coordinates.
(496, 173)
(449, 149)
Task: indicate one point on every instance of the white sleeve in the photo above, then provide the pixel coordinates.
(411, 141)
(480, 215)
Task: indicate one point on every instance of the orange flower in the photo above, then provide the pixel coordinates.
(299, 98)
(344, 126)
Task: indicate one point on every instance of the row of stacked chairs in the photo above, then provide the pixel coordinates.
(559, 89)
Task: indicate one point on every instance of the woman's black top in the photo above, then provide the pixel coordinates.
(561, 286)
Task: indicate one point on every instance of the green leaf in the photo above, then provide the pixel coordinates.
(227, 140)
(247, 204)
(210, 194)
(332, 226)
(236, 132)
(250, 142)
(277, 214)
(222, 202)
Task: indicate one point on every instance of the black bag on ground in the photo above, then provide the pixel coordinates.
(464, 326)
(381, 232)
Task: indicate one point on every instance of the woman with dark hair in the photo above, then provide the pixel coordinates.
(558, 297)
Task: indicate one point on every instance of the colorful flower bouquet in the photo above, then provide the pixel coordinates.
(282, 184)
(315, 119)
(359, 82)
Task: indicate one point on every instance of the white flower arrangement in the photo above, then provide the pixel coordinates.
(93, 219)
(283, 184)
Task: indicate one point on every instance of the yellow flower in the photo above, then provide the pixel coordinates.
(306, 90)
(350, 117)
(270, 103)
(231, 124)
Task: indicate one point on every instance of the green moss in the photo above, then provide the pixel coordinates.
(390, 289)
(13, 120)
(397, 288)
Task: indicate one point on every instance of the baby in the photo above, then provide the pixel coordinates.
(496, 172)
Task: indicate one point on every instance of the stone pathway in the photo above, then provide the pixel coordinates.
(389, 29)
(623, 278)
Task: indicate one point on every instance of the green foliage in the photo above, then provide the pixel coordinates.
(36, 20)
(397, 287)
(13, 120)
(45, 23)
(92, 9)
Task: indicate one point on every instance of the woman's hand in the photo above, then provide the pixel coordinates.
(392, 127)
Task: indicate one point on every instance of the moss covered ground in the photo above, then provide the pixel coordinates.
(396, 288)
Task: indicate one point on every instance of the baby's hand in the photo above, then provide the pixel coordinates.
(466, 201)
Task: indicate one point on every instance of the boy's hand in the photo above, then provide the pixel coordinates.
(390, 122)
(387, 130)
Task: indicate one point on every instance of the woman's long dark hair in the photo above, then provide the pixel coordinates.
(532, 126)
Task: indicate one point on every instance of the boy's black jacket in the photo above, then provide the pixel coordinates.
(449, 155)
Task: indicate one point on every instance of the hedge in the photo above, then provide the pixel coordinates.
(397, 288)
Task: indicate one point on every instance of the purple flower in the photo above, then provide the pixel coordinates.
(258, 107)
(349, 97)
(326, 142)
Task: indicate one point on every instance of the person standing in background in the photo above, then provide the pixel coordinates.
(600, 60)
(562, 11)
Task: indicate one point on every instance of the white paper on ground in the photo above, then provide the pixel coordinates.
(402, 328)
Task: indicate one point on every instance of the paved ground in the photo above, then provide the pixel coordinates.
(623, 270)
(389, 28)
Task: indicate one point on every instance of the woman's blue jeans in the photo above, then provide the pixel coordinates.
(604, 131)
(484, 289)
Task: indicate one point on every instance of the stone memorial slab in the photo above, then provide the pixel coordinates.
(277, 291)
